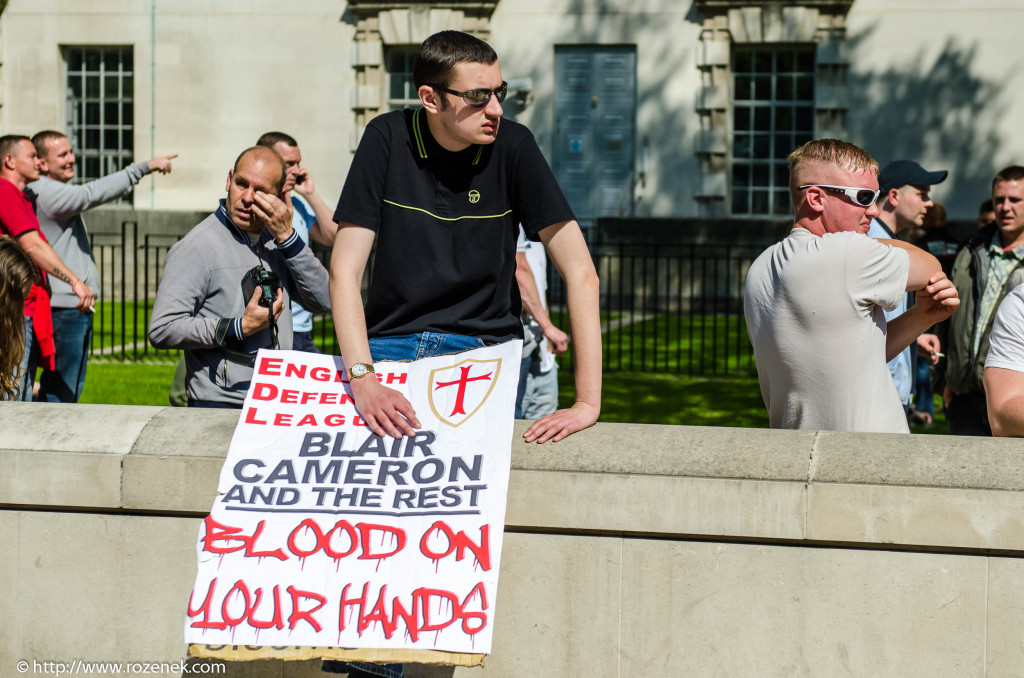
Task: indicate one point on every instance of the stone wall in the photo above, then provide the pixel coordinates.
(630, 550)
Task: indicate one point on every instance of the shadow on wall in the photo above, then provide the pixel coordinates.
(941, 113)
(669, 128)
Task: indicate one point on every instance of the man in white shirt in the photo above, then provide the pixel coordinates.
(814, 302)
(538, 376)
(1004, 367)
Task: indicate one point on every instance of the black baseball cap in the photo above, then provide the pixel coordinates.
(907, 172)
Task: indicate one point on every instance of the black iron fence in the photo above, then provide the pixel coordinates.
(676, 310)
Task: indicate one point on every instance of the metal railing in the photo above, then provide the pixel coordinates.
(676, 310)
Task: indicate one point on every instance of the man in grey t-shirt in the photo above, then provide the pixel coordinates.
(814, 302)
(59, 206)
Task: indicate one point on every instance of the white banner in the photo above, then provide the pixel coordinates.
(327, 535)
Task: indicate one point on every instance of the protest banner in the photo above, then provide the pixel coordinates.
(325, 535)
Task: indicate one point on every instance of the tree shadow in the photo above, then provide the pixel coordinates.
(665, 116)
(938, 111)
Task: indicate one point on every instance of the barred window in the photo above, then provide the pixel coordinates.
(100, 110)
(773, 114)
(401, 91)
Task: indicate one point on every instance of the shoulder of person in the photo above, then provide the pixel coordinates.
(1017, 293)
(391, 121)
(201, 233)
(513, 133)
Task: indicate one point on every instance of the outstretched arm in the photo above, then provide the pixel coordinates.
(61, 201)
(385, 410)
(162, 164)
(568, 251)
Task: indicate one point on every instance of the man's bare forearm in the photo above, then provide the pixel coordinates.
(46, 258)
(325, 230)
(585, 321)
(902, 331)
(348, 262)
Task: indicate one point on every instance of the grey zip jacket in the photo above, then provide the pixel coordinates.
(199, 303)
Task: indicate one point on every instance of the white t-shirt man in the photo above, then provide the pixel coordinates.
(1006, 341)
(537, 258)
(814, 310)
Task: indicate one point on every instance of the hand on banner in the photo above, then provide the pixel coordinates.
(385, 410)
(562, 423)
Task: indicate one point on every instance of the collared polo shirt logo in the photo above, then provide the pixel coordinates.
(474, 196)
(459, 391)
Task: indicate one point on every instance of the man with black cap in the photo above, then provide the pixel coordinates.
(902, 203)
(988, 267)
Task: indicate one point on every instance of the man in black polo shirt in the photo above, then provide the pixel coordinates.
(443, 193)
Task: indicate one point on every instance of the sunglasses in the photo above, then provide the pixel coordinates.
(478, 98)
(862, 196)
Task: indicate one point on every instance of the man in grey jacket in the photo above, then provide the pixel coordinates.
(199, 304)
(59, 206)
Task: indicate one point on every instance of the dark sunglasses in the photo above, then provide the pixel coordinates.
(478, 98)
(862, 196)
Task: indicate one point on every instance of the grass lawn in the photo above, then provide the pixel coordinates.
(710, 345)
(110, 333)
(627, 397)
(127, 383)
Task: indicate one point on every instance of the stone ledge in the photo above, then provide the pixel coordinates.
(916, 491)
(918, 461)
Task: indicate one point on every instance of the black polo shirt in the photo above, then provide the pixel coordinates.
(446, 225)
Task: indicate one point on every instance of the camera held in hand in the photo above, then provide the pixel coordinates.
(266, 281)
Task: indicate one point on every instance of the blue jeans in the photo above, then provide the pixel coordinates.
(303, 341)
(924, 401)
(72, 333)
(540, 393)
(421, 345)
(402, 347)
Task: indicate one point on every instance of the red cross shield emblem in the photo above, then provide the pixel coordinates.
(457, 392)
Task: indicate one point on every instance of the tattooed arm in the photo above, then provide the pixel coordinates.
(46, 259)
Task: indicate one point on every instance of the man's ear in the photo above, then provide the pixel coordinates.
(894, 196)
(813, 197)
(430, 98)
(227, 185)
(8, 162)
(44, 169)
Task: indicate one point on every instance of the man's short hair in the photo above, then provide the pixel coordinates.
(270, 139)
(9, 144)
(440, 53)
(41, 139)
(1011, 173)
(260, 149)
(842, 154)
